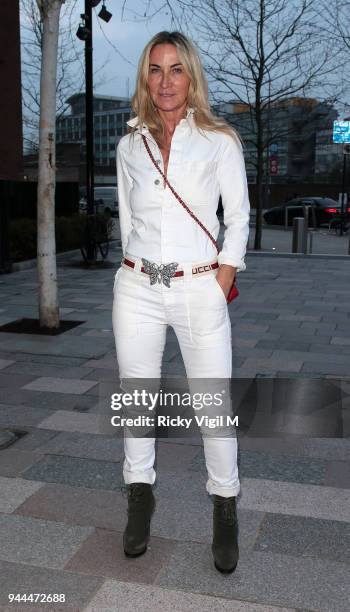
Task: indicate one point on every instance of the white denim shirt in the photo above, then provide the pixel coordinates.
(201, 166)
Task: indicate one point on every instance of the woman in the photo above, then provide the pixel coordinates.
(201, 157)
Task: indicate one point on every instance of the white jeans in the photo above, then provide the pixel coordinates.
(195, 307)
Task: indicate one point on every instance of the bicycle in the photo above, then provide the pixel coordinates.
(336, 222)
(95, 235)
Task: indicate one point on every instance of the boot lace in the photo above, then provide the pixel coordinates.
(134, 491)
(226, 511)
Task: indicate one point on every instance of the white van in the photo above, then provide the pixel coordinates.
(106, 200)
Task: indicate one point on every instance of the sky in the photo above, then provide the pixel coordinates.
(121, 41)
(118, 44)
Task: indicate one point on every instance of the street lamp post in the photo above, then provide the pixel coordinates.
(84, 33)
(346, 151)
(267, 141)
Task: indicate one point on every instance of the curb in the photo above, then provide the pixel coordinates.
(32, 263)
(297, 255)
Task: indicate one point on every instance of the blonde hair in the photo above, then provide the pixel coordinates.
(142, 104)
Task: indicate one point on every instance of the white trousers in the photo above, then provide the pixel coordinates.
(195, 307)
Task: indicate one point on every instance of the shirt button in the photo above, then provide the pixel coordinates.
(156, 182)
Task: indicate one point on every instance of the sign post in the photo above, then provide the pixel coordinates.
(341, 135)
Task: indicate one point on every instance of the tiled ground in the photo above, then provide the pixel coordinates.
(62, 509)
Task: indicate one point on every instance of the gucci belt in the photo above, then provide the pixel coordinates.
(162, 273)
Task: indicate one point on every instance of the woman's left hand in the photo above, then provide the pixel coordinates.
(225, 277)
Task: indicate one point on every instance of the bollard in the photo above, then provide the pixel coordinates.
(299, 244)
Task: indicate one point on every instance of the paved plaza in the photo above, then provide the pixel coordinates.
(62, 507)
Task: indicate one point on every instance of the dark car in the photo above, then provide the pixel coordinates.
(326, 209)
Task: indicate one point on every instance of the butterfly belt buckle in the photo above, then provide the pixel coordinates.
(159, 272)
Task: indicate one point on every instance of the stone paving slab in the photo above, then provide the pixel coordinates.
(338, 341)
(305, 336)
(22, 416)
(237, 328)
(289, 365)
(38, 542)
(102, 554)
(337, 369)
(47, 400)
(78, 444)
(322, 348)
(190, 519)
(77, 506)
(338, 474)
(60, 385)
(126, 597)
(295, 499)
(90, 348)
(323, 448)
(263, 466)
(21, 578)
(10, 381)
(14, 491)
(101, 374)
(310, 356)
(97, 333)
(108, 361)
(47, 370)
(246, 342)
(249, 352)
(64, 420)
(61, 360)
(173, 484)
(265, 578)
(5, 363)
(288, 345)
(172, 457)
(302, 536)
(32, 439)
(77, 472)
(13, 462)
(40, 606)
(320, 329)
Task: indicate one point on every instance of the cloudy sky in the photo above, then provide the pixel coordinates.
(121, 41)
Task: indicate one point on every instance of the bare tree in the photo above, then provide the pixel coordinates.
(337, 21)
(70, 65)
(262, 52)
(46, 246)
(336, 27)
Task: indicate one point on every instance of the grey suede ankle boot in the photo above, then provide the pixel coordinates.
(225, 534)
(141, 504)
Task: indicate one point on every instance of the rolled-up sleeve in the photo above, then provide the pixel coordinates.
(124, 182)
(231, 174)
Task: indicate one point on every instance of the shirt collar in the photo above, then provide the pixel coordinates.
(134, 121)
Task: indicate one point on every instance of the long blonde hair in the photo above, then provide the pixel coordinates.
(142, 104)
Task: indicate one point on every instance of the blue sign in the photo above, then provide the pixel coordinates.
(273, 148)
(341, 131)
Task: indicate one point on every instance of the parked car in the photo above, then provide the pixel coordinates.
(326, 209)
(106, 201)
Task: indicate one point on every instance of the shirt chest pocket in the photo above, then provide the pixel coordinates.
(198, 179)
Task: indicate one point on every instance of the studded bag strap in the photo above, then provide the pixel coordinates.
(190, 212)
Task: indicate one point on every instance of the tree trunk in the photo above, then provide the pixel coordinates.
(46, 245)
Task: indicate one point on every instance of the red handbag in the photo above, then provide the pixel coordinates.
(233, 293)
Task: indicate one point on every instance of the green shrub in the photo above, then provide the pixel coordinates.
(22, 238)
(69, 232)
